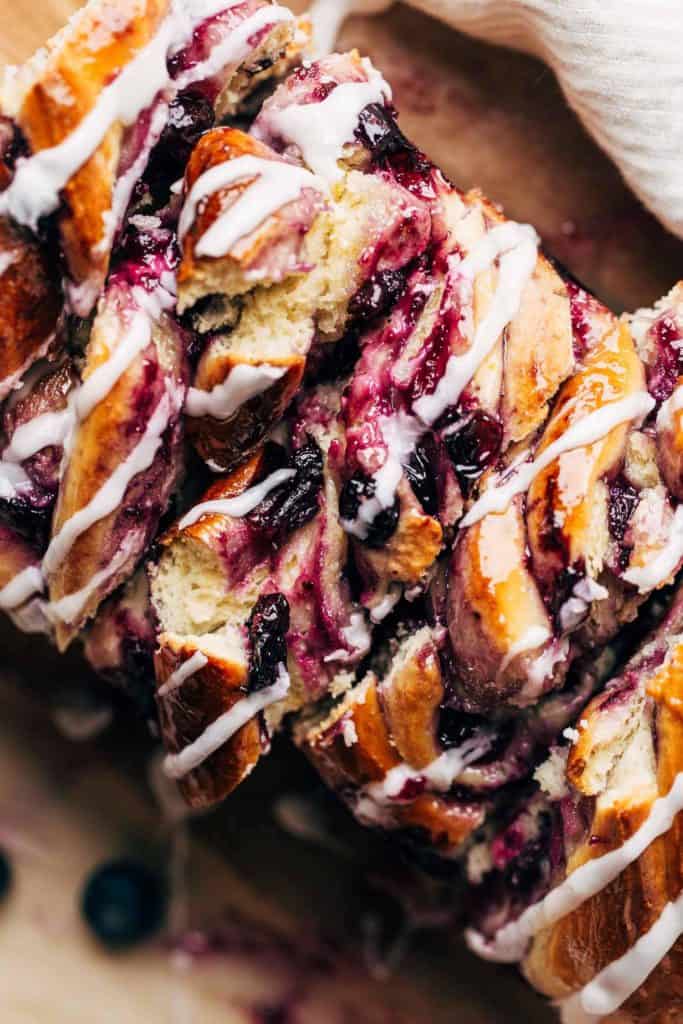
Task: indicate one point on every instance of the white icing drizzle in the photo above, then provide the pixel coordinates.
(401, 433)
(31, 617)
(12, 480)
(509, 944)
(50, 428)
(575, 608)
(321, 130)
(272, 184)
(669, 409)
(438, 776)
(243, 383)
(663, 565)
(516, 248)
(110, 495)
(532, 638)
(236, 46)
(189, 667)
(612, 986)
(586, 431)
(177, 766)
(242, 504)
(26, 583)
(388, 602)
(97, 386)
(68, 608)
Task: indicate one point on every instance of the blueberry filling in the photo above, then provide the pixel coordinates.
(378, 295)
(123, 903)
(267, 627)
(377, 131)
(455, 727)
(668, 365)
(391, 151)
(472, 445)
(294, 503)
(422, 477)
(190, 115)
(623, 498)
(358, 489)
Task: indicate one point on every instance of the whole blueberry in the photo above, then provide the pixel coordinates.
(123, 903)
(5, 874)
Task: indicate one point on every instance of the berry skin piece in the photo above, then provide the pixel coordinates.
(5, 874)
(123, 903)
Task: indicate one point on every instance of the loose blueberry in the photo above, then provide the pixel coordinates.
(267, 628)
(123, 903)
(383, 526)
(5, 874)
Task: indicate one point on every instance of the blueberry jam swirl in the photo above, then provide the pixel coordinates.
(294, 503)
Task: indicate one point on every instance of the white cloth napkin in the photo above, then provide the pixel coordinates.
(619, 63)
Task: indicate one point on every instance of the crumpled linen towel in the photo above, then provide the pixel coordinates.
(619, 63)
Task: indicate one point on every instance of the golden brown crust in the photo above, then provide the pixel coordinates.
(187, 711)
(235, 272)
(109, 435)
(224, 443)
(193, 706)
(357, 746)
(30, 308)
(80, 62)
(562, 499)
(578, 947)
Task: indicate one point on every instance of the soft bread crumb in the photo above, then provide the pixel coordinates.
(551, 775)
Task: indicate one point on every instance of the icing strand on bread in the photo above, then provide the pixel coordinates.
(216, 735)
(241, 505)
(68, 608)
(50, 428)
(189, 668)
(26, 583)
(587, 431)
(111, 494)
(322, 130)
(237, 46)
(243, 383)
(100, 382)
(400, 433)
(437, 776)
(271, 184)
(510, 943)
(665, 562)
(612, 986)
(515, 247)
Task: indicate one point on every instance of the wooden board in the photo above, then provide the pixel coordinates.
(294, 924)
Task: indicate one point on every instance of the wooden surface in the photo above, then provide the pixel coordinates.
(490, 118)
